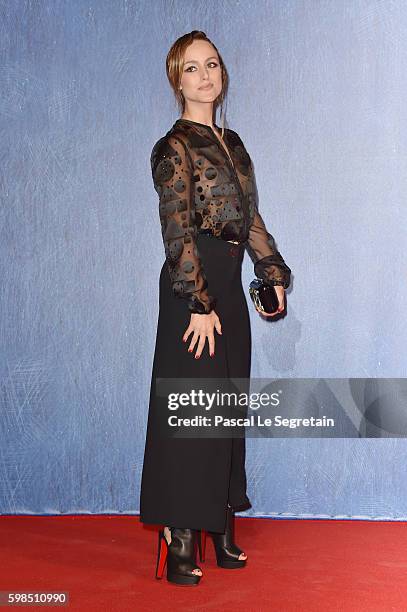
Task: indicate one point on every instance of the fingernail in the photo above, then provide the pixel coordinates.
(189, 350)
(212, 354)
(197, 356)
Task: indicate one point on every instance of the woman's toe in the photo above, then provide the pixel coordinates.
(242, 557)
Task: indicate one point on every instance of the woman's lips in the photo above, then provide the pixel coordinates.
(206, 86)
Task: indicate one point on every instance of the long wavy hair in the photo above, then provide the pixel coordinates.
(174, 66)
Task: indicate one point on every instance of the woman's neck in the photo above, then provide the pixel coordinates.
(198, 119)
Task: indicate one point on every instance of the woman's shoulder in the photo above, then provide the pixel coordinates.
(165, 142)
(164, 146)
(234, 137)
(239, 147)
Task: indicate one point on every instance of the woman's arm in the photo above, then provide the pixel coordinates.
(269, 265)
(268, 262)
(172, 172)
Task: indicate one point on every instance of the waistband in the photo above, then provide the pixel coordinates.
(209, 232)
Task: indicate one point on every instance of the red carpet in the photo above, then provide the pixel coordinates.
(108, 563)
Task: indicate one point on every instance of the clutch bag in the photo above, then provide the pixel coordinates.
(264, 296)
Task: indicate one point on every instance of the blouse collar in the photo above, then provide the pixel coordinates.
(204, 125)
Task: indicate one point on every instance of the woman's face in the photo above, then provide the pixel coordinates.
(201, 79)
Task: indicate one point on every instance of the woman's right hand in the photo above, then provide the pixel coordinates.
(202, 326)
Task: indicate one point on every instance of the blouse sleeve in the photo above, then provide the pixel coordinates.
(172, 173)
(269, 265)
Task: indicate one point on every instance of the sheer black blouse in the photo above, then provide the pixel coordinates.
(201, 188)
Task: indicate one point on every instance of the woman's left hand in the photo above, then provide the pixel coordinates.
(280, 294)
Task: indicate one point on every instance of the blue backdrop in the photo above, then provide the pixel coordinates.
(317, 91)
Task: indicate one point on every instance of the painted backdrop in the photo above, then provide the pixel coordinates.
(317, 95)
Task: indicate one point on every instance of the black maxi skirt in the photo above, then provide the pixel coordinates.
(188, 482)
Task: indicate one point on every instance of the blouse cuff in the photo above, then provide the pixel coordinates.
(197, 307)
(273, 271)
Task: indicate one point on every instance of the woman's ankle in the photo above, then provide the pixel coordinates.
(167, 535)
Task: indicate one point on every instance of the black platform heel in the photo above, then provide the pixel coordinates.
(179, 556)
(227, 553)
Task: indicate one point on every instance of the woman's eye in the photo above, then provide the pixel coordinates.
(214, 64)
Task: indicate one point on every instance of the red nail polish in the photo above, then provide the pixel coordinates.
(197, 356)
(212, 354)
(189, 350)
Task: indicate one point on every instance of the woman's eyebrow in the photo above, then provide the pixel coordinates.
(196, 62)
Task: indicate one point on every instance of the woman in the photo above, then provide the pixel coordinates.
(208, 210)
